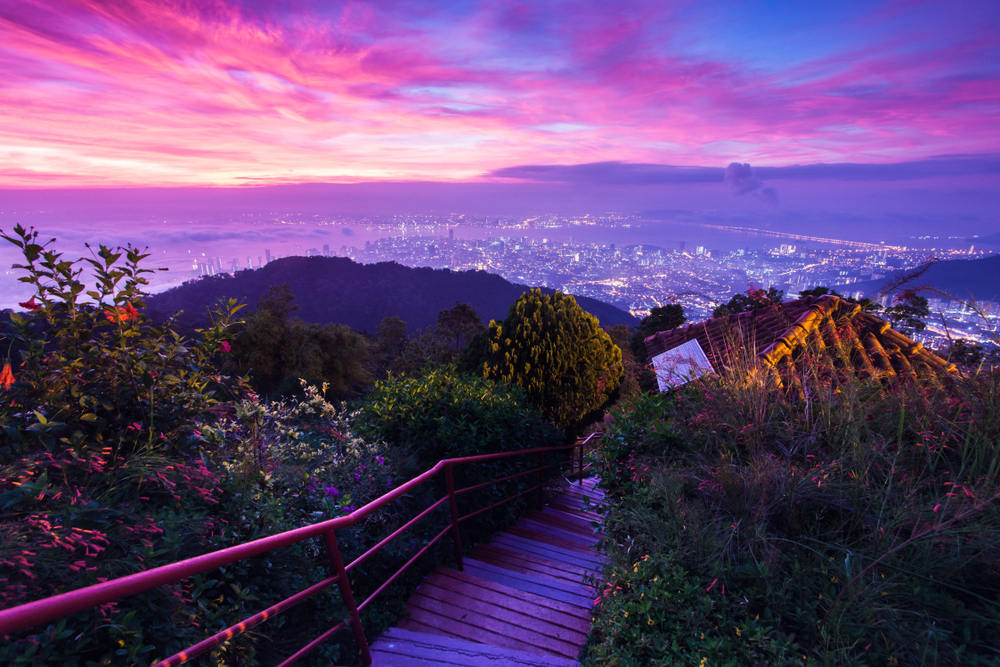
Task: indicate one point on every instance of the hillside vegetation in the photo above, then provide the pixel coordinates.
(855, 524)
(125, 446)
(337, 290)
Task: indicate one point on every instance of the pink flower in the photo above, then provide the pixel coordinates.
(30, 305)
(224, 346)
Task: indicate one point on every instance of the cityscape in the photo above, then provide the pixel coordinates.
(637, 277)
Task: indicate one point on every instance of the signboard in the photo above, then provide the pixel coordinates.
(681, 365)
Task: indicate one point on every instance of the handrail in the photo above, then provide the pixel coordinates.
(26, 616)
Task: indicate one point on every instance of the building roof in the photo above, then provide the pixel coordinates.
(840, 333)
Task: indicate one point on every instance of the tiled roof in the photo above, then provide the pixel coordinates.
(840, 332)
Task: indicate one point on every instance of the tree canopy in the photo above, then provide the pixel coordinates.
(558, 353)
(752, 299)
(663, 318)
(274, 347)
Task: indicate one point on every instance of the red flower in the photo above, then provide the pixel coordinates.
(224, 346)
(122, 313)
(6, 377)
(30, 305)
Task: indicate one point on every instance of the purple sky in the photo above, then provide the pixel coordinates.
(873, 116)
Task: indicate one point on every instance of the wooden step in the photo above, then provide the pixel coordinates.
(528, 564)
(567, 523)
(402, 648)
(534, 628)
(523, 600)
(570, 593)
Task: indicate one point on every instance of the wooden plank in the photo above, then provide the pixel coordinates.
(416, 626)
(511, 560)
(505, 594)
(479, 627)
(572, 571)
(578, 501)
(402, 648)
(518, 543)
(566, 614)
(577, 621)
(570, 545)
(554, 590)
(576, 511)
(570, 517)
(515, 543)
(548, 529)
(564, 523)
(536, 619)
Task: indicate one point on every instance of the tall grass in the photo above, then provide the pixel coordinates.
(855, 518)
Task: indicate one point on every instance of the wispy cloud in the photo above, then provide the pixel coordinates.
(142, 92)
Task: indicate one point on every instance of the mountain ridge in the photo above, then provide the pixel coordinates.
(958, 277)
(341, 291)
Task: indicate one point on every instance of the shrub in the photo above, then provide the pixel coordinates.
(98, 376)
(566, 363)
(114, 459)
(99, 470)
(444, 414)
(855, 524)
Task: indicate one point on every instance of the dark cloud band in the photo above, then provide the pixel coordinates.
(653, 174)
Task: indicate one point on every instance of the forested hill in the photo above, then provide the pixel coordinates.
(958, 277)
(338, 290)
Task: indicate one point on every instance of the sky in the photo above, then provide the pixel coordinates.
(877, 112)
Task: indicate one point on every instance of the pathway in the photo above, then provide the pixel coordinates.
(521, 601)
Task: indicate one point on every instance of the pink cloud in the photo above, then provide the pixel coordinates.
(136, 92)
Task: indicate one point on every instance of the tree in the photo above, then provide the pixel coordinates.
(907, 312)
(866, 304)
(459, 324)
(754, 298)
(259, 345)
(659, 319)
(390, 339)
(442, 343)
(621, 335)
(277, 349)
(558, 354)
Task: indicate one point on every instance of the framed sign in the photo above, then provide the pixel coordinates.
(680, 365)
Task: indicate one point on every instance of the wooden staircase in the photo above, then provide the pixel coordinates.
(523, 600)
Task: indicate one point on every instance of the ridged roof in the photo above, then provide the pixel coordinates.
(840, 331)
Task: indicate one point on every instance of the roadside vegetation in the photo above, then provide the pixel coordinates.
(125, 446)
(858, 524)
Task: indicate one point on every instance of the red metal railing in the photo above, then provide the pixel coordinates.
(29, 615)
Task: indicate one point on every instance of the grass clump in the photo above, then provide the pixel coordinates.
(846, 522)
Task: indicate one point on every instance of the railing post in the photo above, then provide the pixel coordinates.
(333, 551)
(456, 537)
(581, 461)
(541, 483)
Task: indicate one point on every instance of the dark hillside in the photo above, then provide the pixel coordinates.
(959, 277)
(338, 290)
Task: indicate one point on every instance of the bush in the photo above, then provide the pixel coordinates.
(859, 526)
(117, 456)
(568, 366)
(444, 414)
(100, 474)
